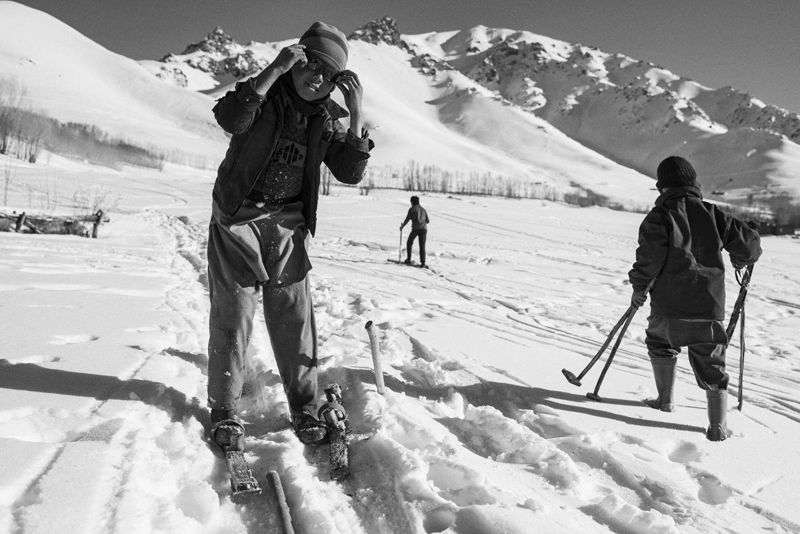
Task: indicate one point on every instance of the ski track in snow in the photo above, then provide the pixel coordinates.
(451, 437)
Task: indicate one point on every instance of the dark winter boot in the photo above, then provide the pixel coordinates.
(308, 428)
(717, 414)
(664, 373)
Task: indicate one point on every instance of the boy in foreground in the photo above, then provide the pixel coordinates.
(680, 246)
(284, 125)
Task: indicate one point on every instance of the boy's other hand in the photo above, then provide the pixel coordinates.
(288, 56)
(353, 91)
(638, 299)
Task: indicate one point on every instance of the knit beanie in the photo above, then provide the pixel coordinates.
(675, 172)
(327, 43)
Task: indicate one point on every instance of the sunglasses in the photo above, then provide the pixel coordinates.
(317, 65)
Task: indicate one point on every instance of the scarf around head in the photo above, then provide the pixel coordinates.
(300, 104)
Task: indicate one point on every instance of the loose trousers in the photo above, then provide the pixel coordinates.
(260, 250)
(706, 342)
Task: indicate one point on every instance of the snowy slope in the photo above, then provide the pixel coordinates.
(633, 113)
(103, 362)
(71, 78)
(446, 120)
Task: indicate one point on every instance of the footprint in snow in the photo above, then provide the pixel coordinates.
(712, 490)
(683, 452)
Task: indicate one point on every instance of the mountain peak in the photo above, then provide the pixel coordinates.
(383, 30)
(216, 42)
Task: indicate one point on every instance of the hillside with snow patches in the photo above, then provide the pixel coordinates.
(67, 76)
(495, 85)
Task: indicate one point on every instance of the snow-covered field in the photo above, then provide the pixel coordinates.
(103, 362)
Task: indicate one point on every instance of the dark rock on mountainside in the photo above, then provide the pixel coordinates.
(383, 30)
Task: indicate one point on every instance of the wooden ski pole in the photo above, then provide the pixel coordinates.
(576, 380)
(737, 315)
(376, 356)
(595, 395)
(400, 247)
(284, 516)
(741, 361)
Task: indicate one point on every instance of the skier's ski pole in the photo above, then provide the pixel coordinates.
(376, 356)
(576, 380)
(736, 315)
(400, 247)
(595, 396)
(283, 508)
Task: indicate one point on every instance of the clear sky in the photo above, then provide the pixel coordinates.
(752, 45)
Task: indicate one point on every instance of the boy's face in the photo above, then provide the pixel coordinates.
(309, 82)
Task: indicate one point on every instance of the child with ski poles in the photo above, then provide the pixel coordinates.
(284, 125)
(680, 246)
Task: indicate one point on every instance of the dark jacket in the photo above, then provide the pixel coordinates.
(680, 244)
(418, 217)
(255, 123)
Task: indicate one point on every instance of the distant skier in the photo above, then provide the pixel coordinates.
(284, 125)
(419, 228)
(680, 245)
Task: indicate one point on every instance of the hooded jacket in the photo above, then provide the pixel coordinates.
(680, 245)
(255, 123)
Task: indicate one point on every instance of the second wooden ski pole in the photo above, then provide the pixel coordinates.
(376, 356)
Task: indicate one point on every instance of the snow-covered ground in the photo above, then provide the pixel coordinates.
(103, 362)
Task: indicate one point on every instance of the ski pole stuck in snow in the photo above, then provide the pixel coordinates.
(376, 356)
(280, 500)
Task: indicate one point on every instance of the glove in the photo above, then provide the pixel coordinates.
(638, 299)
(738, 265)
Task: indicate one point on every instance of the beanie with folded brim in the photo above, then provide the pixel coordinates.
(327, 43)
(675, 171)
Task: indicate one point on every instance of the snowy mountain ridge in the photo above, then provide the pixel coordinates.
(633, 112)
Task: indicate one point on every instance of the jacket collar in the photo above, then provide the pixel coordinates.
(678, 192)
(326, 105)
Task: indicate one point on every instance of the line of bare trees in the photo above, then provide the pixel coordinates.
(24, 133)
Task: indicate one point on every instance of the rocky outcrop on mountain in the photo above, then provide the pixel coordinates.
(218, 54)
(383, 30)
(216, 42)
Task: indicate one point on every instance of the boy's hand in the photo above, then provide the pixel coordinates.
(638, 299)
(351, 88)
(288, 56)
(353, 92)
